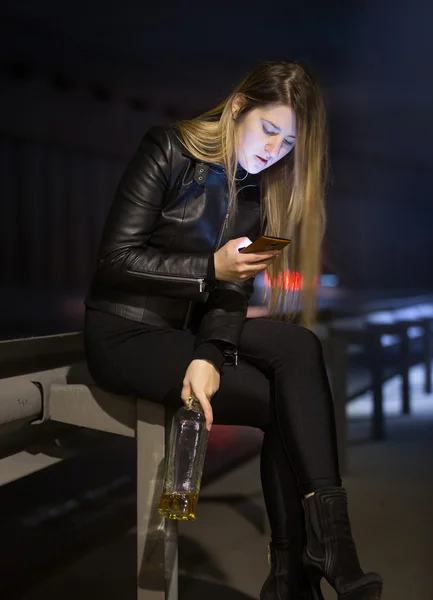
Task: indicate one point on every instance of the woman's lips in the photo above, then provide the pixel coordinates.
(262, 161)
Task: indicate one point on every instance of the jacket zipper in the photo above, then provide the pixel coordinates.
(223, 227)
(200, 281)
(226, 218)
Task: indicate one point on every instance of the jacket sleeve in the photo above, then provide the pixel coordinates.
(126, 258)
(225, 316)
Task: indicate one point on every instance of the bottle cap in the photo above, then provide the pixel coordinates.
(194, 404)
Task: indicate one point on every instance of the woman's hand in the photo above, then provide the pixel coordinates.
(232, 265)
(202, 381)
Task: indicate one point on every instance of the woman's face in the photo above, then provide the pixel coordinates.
(265, 135)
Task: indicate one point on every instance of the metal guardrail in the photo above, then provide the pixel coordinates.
(26, 355)
(368, 331)
(28, 368)
(64, 392)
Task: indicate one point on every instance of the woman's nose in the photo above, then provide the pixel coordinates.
(272, 149)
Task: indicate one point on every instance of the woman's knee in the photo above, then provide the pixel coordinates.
(298, 345)
(296, 337)
(306, 338)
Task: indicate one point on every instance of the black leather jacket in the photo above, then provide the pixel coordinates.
(168, 217)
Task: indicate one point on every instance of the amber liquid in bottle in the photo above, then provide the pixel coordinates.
(179, 506)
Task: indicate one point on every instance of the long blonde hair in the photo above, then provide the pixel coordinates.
(292, 189)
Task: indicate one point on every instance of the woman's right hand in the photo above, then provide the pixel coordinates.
(232, 265)
(201, 381)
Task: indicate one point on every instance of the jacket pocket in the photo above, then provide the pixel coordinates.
(175, 286)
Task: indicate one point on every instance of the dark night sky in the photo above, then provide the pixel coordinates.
(374, 60)
(195, 31)
(377, 54)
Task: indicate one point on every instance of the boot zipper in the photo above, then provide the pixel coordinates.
(200, 281)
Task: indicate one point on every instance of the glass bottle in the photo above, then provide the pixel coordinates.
(184, 463)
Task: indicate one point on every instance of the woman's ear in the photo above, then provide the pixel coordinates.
(237, 103)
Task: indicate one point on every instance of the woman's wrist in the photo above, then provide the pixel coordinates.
(210, 276)
(215, 261)
(212, 352)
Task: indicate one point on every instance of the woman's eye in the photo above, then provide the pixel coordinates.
(287, 143)
(267, 131)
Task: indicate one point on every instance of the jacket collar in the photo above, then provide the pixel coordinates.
(241, 173)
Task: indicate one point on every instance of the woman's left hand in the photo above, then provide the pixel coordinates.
(202, 380)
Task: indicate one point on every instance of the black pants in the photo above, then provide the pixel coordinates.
(280, 385)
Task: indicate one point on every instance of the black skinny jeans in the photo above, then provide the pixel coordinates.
(280, 386)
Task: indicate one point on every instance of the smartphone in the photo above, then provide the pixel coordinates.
(264, 244)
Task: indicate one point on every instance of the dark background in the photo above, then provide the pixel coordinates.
(81, 81)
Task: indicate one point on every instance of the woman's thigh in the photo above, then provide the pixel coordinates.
(136, 359)
(270, 343)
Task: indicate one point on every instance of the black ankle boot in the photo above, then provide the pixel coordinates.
(330, 548)
(288, 579)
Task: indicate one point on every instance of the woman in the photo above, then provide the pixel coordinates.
(166, 311)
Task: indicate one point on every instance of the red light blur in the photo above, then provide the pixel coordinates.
(286, 281)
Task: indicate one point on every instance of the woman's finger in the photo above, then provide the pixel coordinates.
(260, 256)
(186, 393)
(256, 267)
(207, 409)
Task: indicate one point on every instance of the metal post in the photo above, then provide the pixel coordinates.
(150, 524)
(374, 353)
(171, 537)
(426, 324)
(338, 378)
(171, 560)
(404, 367)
